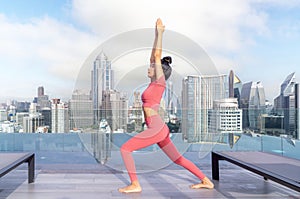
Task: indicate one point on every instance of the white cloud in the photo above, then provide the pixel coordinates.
(42, 52)
(214, 24)
(46, 51)
(220, 27)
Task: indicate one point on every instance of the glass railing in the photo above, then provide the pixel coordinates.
(102, 146)
(278, 145)
(63, 142)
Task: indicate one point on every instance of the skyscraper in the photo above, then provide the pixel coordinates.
(22, 106)
(287, 104)
(46, 113)
(60, 117)
(114, 109)
(102, 80)
(42, 100)
(226, 117)
(136, 116)
(81, 110)
(40, 91)
(170, 98)
(237, 89)
(235, 85)
(33, 120)
(253, 103)
(231, 82)
(198, 95)
(3, 115)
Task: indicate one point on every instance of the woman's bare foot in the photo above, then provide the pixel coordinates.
(206, 183)
(135, 187)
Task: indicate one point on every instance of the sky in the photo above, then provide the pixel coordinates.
(46, 42)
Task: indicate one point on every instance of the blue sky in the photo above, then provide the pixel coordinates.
(25, 10)
(45, 42)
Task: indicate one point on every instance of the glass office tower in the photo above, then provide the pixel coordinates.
(198, 95)
(252, 102)
(287, 105)
(102, 80)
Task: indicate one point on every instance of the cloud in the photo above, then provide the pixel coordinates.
(48, 51)
(222, 28)
(214, 24)
(42, 51)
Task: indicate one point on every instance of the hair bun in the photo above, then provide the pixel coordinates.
(167, 59)
(167, 69)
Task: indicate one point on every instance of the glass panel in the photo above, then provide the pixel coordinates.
(291, 148)
(272, 144)
(103, 147)
(7, 141)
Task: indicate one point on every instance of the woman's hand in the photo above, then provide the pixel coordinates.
(160, 28)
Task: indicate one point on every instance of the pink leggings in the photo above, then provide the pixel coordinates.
(157, 133)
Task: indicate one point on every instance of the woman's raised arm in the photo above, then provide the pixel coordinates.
(157, 49)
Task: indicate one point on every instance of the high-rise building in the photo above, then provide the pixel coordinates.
(20, 116)
(271, 124)
(42, 100)
(253, 104)
(225, 117)
(287, 104)
(235, 86)
(40, 91)
(11, 113)
(81, 110)
(32, 122)
(60, 117)
(3, 115)
(231, 83)
(114, 109)
(198, 95)
(170, 104)
(46, 113)
(172, 108)
(136, 116)
(102, 142)
(102, 80)
(237, 89)
(22, 107)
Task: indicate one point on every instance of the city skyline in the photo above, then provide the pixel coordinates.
(46, 43)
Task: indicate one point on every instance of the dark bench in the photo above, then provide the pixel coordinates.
(9, 161)
(283, 170)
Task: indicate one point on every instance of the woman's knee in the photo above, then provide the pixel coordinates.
(125, 148)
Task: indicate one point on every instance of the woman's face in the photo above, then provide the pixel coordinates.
(151, 72)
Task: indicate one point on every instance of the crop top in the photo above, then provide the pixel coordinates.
(152, 95)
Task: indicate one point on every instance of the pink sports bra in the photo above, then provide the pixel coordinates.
(152, 95)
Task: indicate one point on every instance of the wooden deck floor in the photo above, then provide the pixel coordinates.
(89, 181)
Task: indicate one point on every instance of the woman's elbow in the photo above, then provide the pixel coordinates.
(152, 59)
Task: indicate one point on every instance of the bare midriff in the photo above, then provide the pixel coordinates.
(148, 112)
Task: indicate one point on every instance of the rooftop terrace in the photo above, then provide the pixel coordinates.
(76, 174)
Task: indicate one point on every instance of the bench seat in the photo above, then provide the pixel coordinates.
(283, 170)
(9, 161)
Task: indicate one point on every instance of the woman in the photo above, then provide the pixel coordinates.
(157, 131)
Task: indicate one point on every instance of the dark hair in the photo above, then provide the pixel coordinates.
(165, 63)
